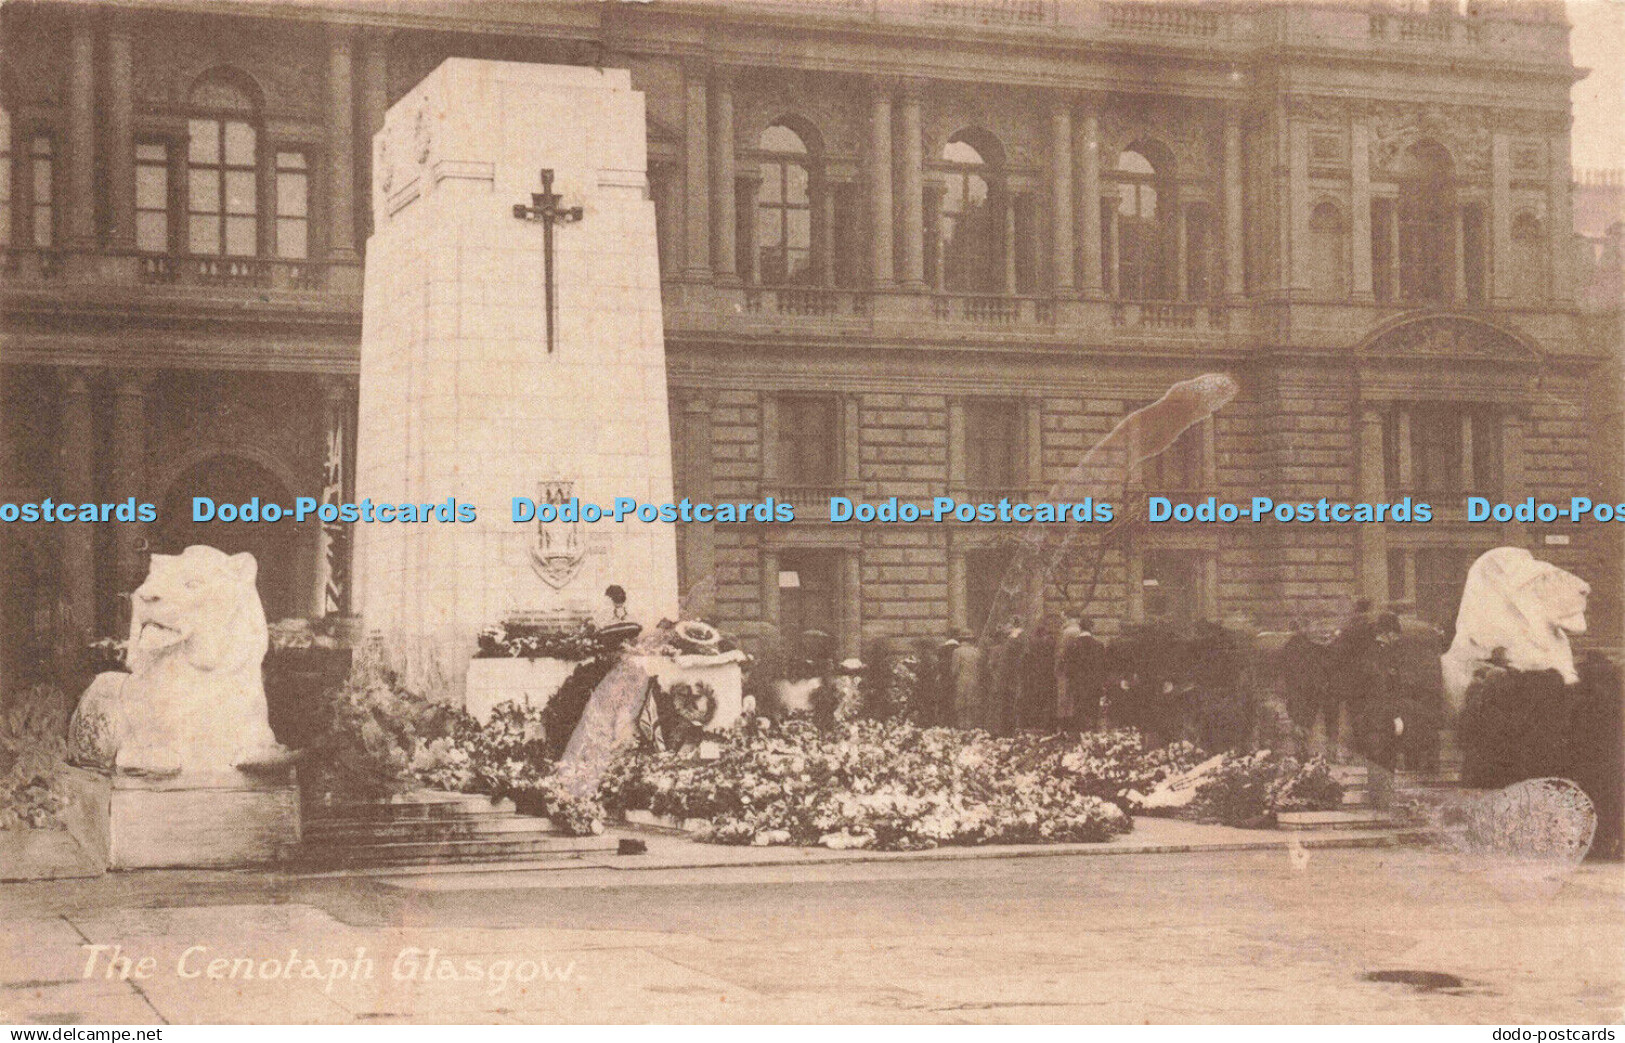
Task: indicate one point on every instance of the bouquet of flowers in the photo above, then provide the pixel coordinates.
(891, 785)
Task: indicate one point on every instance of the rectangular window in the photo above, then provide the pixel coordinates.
(1443, 450)
(1171, 585)
(809, 441)
(984, 571)
(809, 602)
(1436, 445)
(1177, 468)
(994, 449)
(222, 190)
(1397, 587)
(152, 197)
(5, 178)
(1440, 574)
(1382, 249)
(42, 174)
(292, 206)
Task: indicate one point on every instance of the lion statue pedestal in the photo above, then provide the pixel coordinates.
(178, 766)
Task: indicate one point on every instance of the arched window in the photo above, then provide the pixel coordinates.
(784, 210)
(1528, 257)
(1427, 223)
(971, 237)
(1328, 251)
(1142, 244)
(222, 164)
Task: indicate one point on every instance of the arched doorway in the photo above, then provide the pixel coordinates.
(275, 545)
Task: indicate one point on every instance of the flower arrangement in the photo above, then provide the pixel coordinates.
(507, 757)
(33, 744)
(891, 785)
(368, 732)
(514, 640)
(1250, 791)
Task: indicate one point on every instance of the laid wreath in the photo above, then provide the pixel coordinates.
(696, 638)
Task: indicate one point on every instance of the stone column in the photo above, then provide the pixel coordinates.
(1458, 239)
(1560, 227)
(335, 407)
(1296, 272)
(880, 196)
(1372, 539)
(724, 218)
(1513, 474)
(1360, 209)
(374, 102)
(129, 471)
(825, 228)
(120, 135)
(699, 541)
(913, 201)
(1234, 247)
(1501, 218)
(851, 604)
(75, 450)
(340, 146)
(1061, 190)
(79, 201)
(933, 235)
(1181, 255)
(1088, 158)
(1113, 255)
(1009, 243)
(696, 179)
(748, 190)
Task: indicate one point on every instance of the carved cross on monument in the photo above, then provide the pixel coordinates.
(544, 207)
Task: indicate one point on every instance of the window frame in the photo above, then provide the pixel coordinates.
(774, 166)
(277, 218)
(169, 208)
(1142, 242)
(973, 265)
(8, 186)
(224, 168)
(37, 162)
(788, 455)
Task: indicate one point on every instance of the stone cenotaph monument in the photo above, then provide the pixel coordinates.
(512, 347)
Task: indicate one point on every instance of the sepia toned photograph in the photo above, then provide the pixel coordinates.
(803, 512)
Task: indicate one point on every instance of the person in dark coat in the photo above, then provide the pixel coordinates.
(1038, 676)
(1084, 666)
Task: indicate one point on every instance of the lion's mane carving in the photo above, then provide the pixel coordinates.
(1526, 607)
(194, 699)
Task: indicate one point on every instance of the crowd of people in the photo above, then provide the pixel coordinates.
(1217, 687)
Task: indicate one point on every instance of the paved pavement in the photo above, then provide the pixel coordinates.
(1216, 935)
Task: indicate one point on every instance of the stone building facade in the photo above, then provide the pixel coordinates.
(909, 248)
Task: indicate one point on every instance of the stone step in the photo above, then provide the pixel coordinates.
(1347, 819)
(467, 827)
(418, 805)
(1356, 796)
(1442, 779)
(530, 849)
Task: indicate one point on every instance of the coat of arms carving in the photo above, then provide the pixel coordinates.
(560, 548)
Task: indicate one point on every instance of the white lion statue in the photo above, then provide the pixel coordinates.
(194, 699)
(1526, 607)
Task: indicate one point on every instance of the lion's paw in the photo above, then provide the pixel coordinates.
(148, 760)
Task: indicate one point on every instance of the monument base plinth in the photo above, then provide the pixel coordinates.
(195, 820)
(532, 682)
